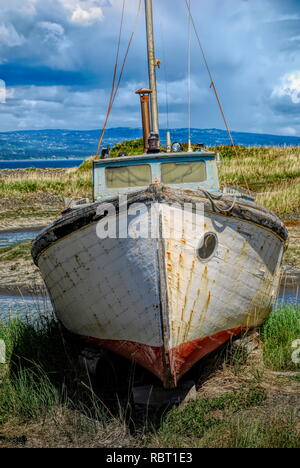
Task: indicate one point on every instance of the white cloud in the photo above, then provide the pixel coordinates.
(87, 16)
(294, 39)
(27, 7)
(2, 92)
(289, 131)
(9, 36)
(54, 35)
(79, 11)
(63, 106)
(52, 107)
(84, 12)
(61, 43)
(52, 28)
(289, 17)
(289, 87)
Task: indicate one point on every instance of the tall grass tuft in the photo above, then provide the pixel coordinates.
(40, 375)
(278, 334)
(28, 395)
(28, 387)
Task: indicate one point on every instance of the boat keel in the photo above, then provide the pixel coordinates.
(181, 358)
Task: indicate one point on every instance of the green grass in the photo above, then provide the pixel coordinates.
(273, 173)
(251, 428)
(34, 184)
(130, 147)
(198, 416)
(292, 255)
(278, 334)
(86, 166)
(29, 213)
(19, 251)
(40, 376)
(30, 396)
(234, 420)
(248, 431)
(27, 392)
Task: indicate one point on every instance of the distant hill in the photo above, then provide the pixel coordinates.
(43, 144)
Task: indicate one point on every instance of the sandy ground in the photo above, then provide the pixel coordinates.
(24, 224)
(20, 277)
(25, 215)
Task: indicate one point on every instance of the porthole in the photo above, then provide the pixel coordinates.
(208, 246)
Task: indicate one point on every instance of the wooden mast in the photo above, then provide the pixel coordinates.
(152, 64)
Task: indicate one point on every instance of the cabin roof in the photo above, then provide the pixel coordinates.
(153, 157)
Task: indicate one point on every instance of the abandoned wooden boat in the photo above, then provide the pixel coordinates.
(163, 301)
(162, 267)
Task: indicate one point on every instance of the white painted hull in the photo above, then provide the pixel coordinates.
(153, 300)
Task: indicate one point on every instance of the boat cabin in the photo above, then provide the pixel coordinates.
(121, 175)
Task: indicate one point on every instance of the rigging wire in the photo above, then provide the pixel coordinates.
(212, 83)
(114, 77)
(115, 87)
(165, 74)
(189, 78)
(213, 86)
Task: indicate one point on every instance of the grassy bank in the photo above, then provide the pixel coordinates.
(45, 400)
(19, 251)
(26, 185)
(278, 336)
(272, 173)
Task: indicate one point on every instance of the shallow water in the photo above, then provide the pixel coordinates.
(10, 238)
(41, 164)
(289, 298)
(24, 307)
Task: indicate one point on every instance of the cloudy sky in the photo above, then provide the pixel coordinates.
(57, 57)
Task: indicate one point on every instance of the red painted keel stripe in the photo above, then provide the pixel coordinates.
(182, 358)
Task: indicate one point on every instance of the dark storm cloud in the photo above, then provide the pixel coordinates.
(57, 59)
(17, 74)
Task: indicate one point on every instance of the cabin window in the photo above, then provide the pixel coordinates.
(128, 176)
(183, 173)
(208, 246)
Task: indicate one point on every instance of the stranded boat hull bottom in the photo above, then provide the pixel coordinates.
(180, 359)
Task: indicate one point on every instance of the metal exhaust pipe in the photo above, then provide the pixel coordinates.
(146, 121)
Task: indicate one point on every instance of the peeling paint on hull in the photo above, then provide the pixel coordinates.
(153, 300)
